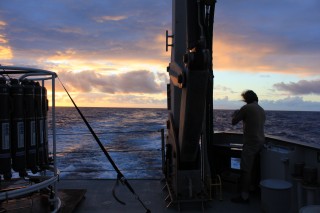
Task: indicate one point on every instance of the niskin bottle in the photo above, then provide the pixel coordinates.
(18, 146)
(30, 125)
(5, 147)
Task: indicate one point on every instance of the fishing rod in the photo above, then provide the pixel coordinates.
(120, 176)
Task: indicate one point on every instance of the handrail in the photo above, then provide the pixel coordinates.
(18, 192)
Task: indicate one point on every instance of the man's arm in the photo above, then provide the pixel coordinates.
(237, 116)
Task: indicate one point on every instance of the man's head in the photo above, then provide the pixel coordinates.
(249, 96)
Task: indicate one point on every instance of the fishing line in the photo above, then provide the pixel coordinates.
(120, 176)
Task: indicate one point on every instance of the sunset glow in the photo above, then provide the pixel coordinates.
(112, 55)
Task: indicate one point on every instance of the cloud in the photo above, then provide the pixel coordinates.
(140, 101)
(96, 39)
(69, 30)
(2, 23)
(5, 49)
(3, 40)
(225, 103)
(5, 53)
(143, 82)
(223, 89)
(286, 104)
(248, 35)
(112, 100)
(290, 104)
(60, 25)
(102, 19)
(302, 87)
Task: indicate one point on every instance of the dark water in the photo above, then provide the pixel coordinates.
(133, 139)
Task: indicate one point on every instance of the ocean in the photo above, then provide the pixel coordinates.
(133, 138)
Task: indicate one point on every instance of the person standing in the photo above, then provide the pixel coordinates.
(253, 118)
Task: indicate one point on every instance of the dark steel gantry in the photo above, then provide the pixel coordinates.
(189, 125)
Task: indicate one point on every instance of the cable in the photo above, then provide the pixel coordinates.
(120, 176)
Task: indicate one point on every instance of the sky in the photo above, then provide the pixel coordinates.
(112, 53)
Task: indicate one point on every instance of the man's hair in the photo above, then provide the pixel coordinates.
(249, 96)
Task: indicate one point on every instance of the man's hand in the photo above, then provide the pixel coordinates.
(235, 113)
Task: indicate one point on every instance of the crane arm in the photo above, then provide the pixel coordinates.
(190, 73)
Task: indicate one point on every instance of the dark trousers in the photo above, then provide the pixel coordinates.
(249, 166)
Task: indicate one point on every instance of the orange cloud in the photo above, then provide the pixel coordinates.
(5, 50)
(5, 53)
(237, 53)
(3, 40)
(109, 100)
(2, 24)
(63, 55)
(238, 56)
(104, 61)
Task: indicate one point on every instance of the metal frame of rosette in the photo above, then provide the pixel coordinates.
(51, 180)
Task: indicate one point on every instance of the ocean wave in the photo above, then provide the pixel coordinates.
(133, 139)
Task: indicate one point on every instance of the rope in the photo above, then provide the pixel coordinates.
(120, 176)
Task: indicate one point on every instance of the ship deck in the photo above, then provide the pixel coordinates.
(98, 198)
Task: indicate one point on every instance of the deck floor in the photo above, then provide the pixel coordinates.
(98, 198)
